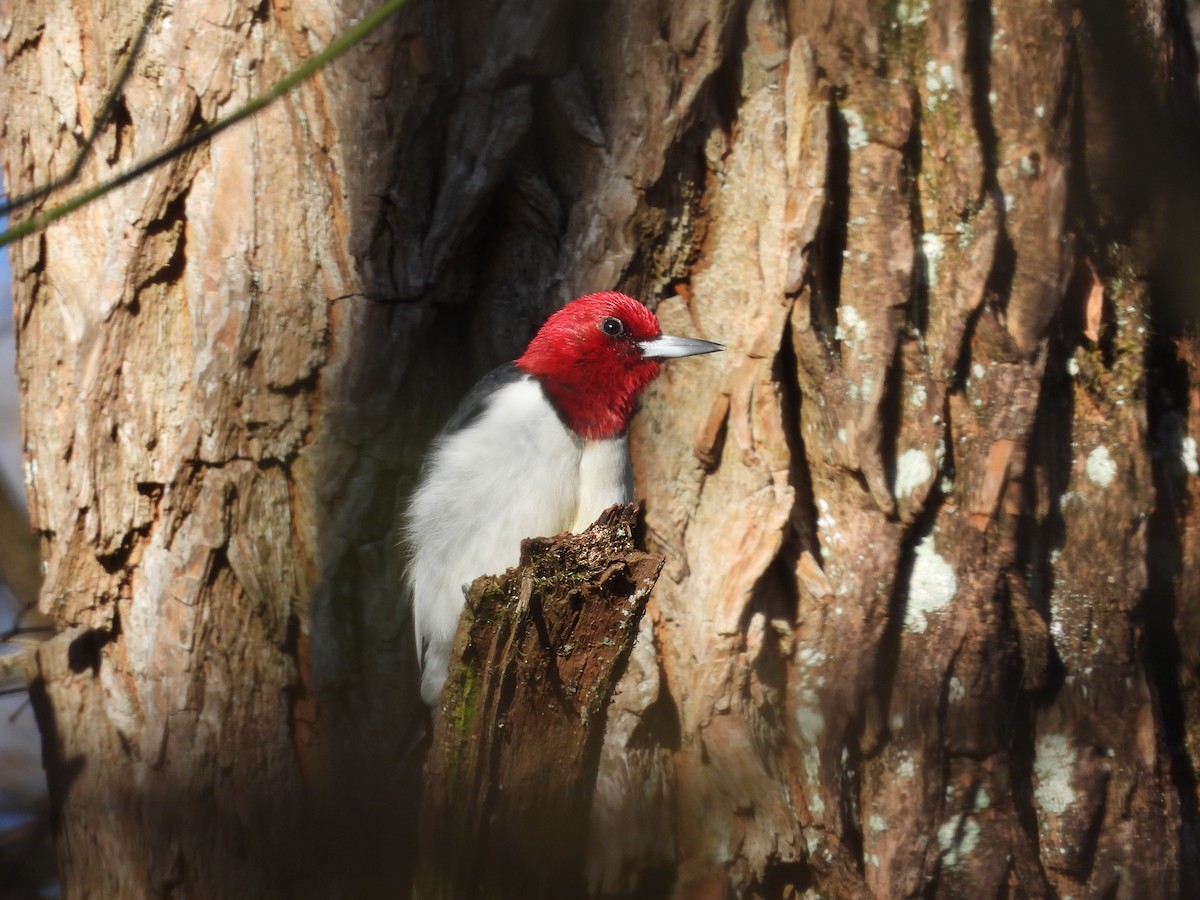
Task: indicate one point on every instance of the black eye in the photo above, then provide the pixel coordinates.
(613, 327)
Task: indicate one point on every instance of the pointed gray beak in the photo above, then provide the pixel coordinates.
(667, 346)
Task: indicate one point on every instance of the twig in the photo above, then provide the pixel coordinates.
(336, 48)
(98, 124)
(20, 709)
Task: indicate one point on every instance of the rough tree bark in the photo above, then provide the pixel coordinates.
(927, 621)
(517, 737)
(212, 427)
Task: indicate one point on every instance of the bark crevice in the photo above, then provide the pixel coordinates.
(1160, 612)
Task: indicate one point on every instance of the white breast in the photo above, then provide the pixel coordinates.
(514, 472)
(605, 478)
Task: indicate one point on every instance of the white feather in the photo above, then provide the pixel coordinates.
(514, 472)
(605, 478)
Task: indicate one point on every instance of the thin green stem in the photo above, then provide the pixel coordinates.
(98, 124)
(337, 47)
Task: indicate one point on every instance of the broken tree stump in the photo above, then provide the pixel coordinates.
(517, 735)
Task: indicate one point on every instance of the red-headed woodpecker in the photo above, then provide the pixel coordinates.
(536, 448)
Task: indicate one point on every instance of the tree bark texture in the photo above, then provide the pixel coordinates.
(211, 430)
(517, 736)
(927, 621)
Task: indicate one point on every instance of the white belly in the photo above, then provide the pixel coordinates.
(515, 472)
(604, 479)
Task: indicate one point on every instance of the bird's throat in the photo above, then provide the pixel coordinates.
(598, 408)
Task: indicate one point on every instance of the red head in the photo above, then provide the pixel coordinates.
(596, 354)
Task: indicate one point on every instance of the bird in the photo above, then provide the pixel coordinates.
(536, 448)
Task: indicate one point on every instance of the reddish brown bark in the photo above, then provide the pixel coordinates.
(517, 735)
(926, 619)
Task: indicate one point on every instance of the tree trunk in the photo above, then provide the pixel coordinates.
(213, 427)
(927, 621)
(518, 730)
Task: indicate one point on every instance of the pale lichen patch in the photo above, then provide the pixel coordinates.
(912, 12)
(1100, 467)
(1187, 456)
(1053, 766)
(939, 81)
(931, 588)
(934, 249)
(957, 839)
(956, 691)
(810, 724)
(856, 133)
(913, 470)
(851, 326)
